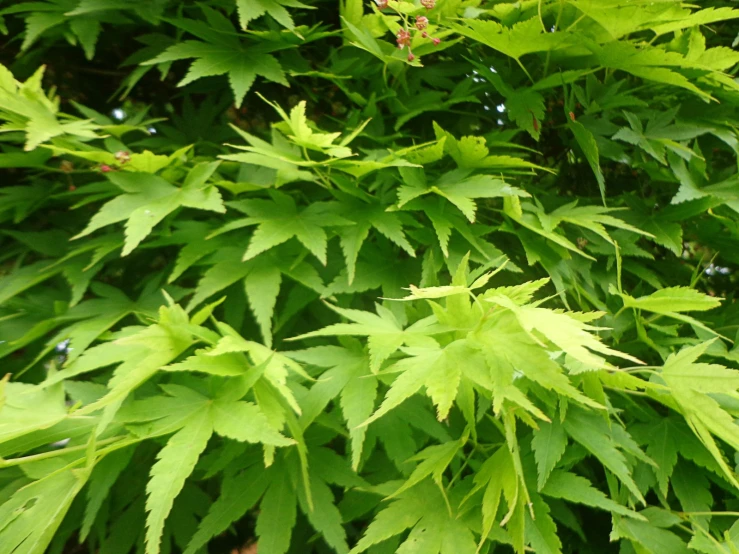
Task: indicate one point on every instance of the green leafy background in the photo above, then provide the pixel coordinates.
(266, 278)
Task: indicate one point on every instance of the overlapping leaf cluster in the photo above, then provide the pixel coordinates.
(291, 286)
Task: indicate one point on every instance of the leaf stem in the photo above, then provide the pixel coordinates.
(52, 453)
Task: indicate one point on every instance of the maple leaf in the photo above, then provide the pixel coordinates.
(279, 220)
(692, 384)
(252, 9)
(383, 330)
(525, 37)
(148, 199)
(221, 53)
(434, 530)
(24, 107)
(366, 216)
(458, 187)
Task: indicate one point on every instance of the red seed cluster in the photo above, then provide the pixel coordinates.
(404, 37)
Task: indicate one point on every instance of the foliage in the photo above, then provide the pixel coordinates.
(431, 276)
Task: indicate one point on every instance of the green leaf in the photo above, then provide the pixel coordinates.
(579, 490)
(652, 538)
(106, 473)
(238, 494)
(433, 461)
(662, 447)
(27, 408)
(46, 500)
(244, 421)
(366, 217)
(526, 108)
(405, 385)
(541, 531)
(701, 17)
(673, 299)
(383, 330)
(242, 65)
(568, 333)
(549, 444)
(589, 147)
(146, 202)
(325, 516)
(278, 221)
(435, 530)
(443, 380)
(498, 478)
(591, 431)
(693, 491)
(262, 287)
(460, 190)
(175, 462)
(277, 515)
(252, 9)
(224, 365)
(690, 384)
(87, 31)
(357, 403)
(523, 38)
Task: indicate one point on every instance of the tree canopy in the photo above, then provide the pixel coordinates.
(414, 277)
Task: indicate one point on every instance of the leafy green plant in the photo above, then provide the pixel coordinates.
(432, 276)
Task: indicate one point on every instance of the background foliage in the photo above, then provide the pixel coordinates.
(447, 276)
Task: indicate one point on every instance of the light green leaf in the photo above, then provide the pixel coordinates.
(279, 220)
(523, 38)
(357, 402)
(31, 516)
(244, 421)
(27, 408)
(252, 9)
(549, 444)
(175, 462)
(673, 299)
(433, 461)
(262, 287)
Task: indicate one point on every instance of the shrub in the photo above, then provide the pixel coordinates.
(422, 277)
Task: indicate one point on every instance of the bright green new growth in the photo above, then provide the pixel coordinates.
(414, 277)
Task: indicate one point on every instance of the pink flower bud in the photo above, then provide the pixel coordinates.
(404, 38)
(422, 22)
(411, 57)
(381, 4)
(428, 4)
(436, 41)
(425, 34)
(106, 168)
